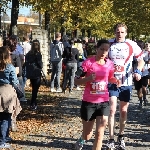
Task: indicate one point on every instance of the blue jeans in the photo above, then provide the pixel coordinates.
(5, 122)
(56, 73)
(22, 85)
(70, 70)
(35, 87)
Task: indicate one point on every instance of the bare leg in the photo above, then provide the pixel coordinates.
(111, 120)
(101, 122)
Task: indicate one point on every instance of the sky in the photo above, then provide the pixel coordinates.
(22, 10)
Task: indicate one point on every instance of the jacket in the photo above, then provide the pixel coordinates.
(15, 59)
(8, 76)
(56, 52)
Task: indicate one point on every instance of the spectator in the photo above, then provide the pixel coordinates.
(72, 56)
(26, 48)
(10, 106)
(56, 51)
(34, 65)
(65, 41)
(17, 51)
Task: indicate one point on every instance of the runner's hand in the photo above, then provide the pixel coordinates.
(118, 83)
(113, 80)
(137, 76)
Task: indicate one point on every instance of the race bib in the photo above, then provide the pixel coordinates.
(119, 68)
(98, 87)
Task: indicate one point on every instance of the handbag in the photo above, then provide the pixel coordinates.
(19, 92)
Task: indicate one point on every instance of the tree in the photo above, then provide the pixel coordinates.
(135, 13)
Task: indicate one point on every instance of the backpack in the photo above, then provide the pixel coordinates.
(32, 71)
(56, 52)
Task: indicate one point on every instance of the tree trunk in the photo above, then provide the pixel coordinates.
(14, 17)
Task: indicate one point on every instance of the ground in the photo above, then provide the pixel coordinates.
(56, 125)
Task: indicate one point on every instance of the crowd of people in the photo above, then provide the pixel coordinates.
(107, 76)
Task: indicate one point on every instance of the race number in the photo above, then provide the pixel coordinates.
(119, 68)
(98, 88)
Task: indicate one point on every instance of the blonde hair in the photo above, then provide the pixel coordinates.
(80, 48)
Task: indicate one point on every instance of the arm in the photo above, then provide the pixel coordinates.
(18, 64)
(139, 56)
(111, 78)
(64, 53)
(13, 77)
(39, 61)
(84, 80)
(141, 64)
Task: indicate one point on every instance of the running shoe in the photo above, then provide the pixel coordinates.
(121, 143)
(78, 145)
(111, 145)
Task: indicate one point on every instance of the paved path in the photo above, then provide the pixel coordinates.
(65, 126)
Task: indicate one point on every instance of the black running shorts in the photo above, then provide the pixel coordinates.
(143, 82)
(89, 111)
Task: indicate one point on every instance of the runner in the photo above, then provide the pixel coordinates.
(147, 48)
(95, 104)
(141, 85)
(121, 53)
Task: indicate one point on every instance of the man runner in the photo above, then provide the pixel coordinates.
(121, 53)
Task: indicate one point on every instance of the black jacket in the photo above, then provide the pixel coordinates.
(15, 59)
(34, 58)
(71, 55)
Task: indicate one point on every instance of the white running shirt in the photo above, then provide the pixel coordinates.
(122, 56)
(146, 57)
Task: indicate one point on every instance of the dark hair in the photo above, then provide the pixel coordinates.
(141, 44)
(35, 47)
(83, 42)
(120, 25)
(71, 42)
(4, 57)
(11, 45)
(102, 41)
(14, 37)
(79, 41)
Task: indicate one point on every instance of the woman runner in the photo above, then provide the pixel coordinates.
(98, 71)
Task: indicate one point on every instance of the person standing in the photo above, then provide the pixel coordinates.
(97, 71)
(26, 48)
(71, 55)
(9, 103)
(34, 65)
(18, 51)
(56, 52)
(121, 53)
